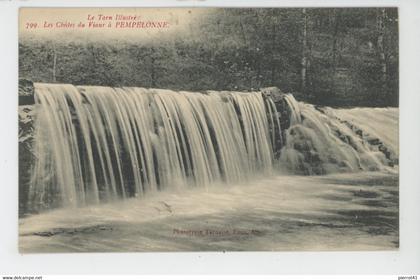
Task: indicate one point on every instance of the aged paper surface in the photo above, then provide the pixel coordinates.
(208, 129)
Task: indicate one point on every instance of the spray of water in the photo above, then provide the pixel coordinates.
(99, 143)
(329, 140)
(96, 144)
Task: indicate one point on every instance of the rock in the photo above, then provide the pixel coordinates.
(282, 117)
(275, 93)
(26, 92)
(26, 153)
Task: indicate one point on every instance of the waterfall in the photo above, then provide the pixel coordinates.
(325, 140)
(95, 144)
(100, 143)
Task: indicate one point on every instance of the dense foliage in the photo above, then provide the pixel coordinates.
(341, 57)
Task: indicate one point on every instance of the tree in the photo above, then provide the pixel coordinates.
(325, 56)
(54, 64)
(304, 50)
(381, 18)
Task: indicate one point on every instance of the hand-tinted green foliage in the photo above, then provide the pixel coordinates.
(240, 49)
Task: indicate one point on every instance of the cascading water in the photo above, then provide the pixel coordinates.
(327, 140)
(97, 144)
(100, 143)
